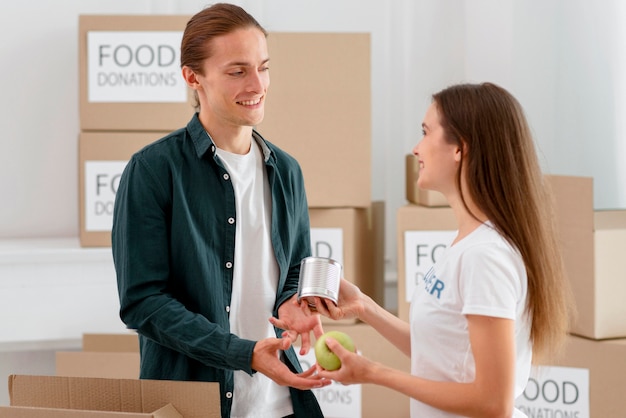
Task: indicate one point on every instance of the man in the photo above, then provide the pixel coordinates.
(210, 225)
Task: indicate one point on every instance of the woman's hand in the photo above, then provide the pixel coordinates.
(354, 367)
(350, 303)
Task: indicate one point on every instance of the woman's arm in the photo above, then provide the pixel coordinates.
(353, 303)
(491, 394)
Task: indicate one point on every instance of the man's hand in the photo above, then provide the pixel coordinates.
(266, 360)
(295, 321)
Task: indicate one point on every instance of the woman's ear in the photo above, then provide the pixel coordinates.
(460, 151)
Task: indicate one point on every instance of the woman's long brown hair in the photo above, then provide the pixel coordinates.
(504, 180)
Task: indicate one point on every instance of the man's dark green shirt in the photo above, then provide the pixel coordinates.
(173, 240)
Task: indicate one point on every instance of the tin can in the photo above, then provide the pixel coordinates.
(319, 276)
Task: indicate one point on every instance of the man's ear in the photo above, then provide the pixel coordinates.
(190, 77)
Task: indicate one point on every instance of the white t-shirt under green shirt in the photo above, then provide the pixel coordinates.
(255, 281)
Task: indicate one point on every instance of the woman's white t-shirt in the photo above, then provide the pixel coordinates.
(482, 274)
(255, 281)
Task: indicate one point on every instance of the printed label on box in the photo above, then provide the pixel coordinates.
(101, 181)
(336, 400)
(327, 242)
(421, 249)
(556, 392)
(134, 67)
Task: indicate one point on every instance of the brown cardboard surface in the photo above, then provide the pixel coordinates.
(416, 195)
(191, 399)
(592, 244)
(417, 218)
(573, 198)
(127, 342)
(606, 361)
(318, 109)
(609, 309)
(97, 364)
(129, 116)
(328, 75)
(609, 219)
(167, 411)
(363, 244)
(105, 146)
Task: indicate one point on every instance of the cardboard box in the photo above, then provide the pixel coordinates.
(168, 411)
(340, 401)
(130, 80)
(130, 77)
(126, 342)
(102, 159)
(609, 311)
(355, 238)
(97, 364)
(416, 195)
(606, 361)
(113, 356)
(329, 130)
(423, 232)
(190, 399)
(592, 244)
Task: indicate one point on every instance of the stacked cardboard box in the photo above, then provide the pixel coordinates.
(103, 355)
(58, 396)
(102, 381)
(593, 242)
(131, 94)
(355, 238)
(329, 133)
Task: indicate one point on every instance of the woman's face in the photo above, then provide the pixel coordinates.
(438, 159)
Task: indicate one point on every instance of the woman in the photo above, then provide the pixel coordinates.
(502, 299)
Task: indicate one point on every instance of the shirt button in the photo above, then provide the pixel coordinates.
(226, 176)
(229, 395)
(231, 220)
(229, 264)
(212, 148)
(228, 309)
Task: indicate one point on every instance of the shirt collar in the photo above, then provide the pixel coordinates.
(203, 142)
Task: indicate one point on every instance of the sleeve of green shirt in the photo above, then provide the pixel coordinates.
(141, 254)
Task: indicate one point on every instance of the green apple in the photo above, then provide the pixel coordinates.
(326, 358)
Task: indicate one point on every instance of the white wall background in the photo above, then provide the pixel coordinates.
(565, 60)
